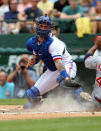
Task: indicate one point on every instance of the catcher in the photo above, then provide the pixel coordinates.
(53, 53)
(93, 61)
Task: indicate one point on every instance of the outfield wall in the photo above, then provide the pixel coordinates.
(11, 44)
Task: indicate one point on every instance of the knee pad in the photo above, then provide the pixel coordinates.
(32, 93)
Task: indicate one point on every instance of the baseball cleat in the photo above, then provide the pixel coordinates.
(85, 96)
(33, 103)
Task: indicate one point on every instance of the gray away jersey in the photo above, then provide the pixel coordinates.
(94, 62)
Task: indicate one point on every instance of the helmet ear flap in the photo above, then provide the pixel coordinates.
(96, 37)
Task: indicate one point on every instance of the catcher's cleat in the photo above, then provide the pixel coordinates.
(70, 83)
(28, 105)
(33, 103)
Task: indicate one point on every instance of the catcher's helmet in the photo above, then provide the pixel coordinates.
(97, 37)
(47, 23)
(98, 51)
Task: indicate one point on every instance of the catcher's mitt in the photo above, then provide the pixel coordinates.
(70, 83)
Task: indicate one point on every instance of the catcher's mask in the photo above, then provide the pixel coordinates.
(43, 26)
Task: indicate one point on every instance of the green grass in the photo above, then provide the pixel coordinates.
(63, 124)
(13, 101)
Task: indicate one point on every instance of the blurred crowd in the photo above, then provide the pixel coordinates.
(72, 16)
(23, 77)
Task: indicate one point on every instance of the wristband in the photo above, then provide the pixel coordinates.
(64, 74)
(87, 55)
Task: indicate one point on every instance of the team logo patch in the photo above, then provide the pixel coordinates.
(99, 67)
(98, 80)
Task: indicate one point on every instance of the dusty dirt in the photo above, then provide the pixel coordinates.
(12, 112)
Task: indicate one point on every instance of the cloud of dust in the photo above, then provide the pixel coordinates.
(63, 101)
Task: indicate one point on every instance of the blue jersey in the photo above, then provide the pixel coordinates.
(42, 51)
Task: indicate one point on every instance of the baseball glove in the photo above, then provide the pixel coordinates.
(70, 83)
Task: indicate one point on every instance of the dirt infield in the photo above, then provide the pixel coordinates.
(18, 113)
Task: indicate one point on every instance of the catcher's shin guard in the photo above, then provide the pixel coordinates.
(33, 103)
(33, 96)
(36, 100)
